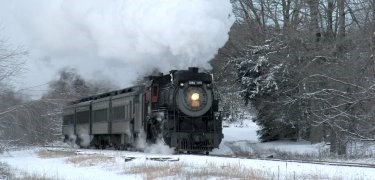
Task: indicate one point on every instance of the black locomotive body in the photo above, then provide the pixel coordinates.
(180, 108)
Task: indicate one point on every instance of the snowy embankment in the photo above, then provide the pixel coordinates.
(70, 163)
(241, 139)
(93, 164)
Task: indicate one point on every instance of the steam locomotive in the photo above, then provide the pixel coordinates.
(180, 108)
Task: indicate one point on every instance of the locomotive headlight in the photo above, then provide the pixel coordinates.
(195, 102)
(195, 97)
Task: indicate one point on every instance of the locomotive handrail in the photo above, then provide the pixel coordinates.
(108, 94)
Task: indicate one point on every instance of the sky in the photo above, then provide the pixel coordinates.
(117, 40)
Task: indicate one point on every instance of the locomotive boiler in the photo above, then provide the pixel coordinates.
(180, 108)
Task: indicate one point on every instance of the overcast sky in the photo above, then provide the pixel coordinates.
(114, 39)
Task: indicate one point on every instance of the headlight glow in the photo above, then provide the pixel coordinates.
(195, 96)
(194, 100)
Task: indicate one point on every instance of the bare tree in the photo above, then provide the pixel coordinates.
(11, 63)
(314, 20)
(341, 11)
(38, 122)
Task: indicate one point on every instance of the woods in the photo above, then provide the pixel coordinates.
(307, 67)
(25, 122)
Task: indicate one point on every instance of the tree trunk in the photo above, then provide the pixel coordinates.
(330, 9)
(262, 13)
(341, 8)
(340, 43)
(286, 15)
(314, 11)
(316, 134)
(372, 32)
(338, 145)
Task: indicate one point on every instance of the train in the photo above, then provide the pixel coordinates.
(180, 108)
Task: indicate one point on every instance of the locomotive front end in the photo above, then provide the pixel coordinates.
(193, 122)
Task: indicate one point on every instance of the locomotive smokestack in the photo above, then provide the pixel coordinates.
(193, 69)
(172, 71)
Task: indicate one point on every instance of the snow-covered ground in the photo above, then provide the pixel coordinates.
(241, 139)
(66, 168)
(69, 163)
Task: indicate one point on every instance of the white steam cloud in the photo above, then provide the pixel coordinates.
(158, 148)
(117, 38)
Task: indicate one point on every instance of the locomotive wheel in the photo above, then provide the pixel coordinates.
(166, 137)
(153, 130)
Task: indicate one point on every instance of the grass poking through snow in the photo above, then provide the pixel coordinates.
(177, 170)
(55, 153)
(164, 170)
(153, 171)
(90, 160)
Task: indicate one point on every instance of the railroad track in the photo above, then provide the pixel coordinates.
(318, 162)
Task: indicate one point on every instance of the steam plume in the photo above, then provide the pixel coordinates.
(117, 38)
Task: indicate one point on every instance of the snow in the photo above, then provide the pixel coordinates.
(241, 137)
(238, 132)
(27, 160)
